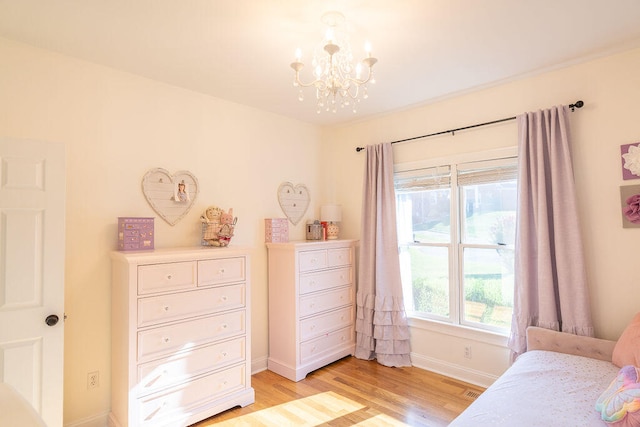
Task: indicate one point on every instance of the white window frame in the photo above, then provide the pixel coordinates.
(455, 265)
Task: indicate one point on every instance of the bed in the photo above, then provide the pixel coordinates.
(557, 382)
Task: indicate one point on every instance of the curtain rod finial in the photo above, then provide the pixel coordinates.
(578, 104)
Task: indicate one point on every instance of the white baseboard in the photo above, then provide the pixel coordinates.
(258, 365)
(458, 372)
(100, 420)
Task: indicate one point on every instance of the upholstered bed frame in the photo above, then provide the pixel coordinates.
(560, 380)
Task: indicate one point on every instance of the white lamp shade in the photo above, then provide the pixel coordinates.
(331, 213)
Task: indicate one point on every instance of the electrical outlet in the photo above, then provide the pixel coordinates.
(93, 380)
(467, 352)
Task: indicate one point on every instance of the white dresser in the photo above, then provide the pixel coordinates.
(311, 305)
(180, 338)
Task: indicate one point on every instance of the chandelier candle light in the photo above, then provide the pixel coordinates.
(337, 81)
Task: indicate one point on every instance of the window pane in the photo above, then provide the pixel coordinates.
(489, 215)
(456, 232)
(428, 273)
(425, 216)
(488, 285)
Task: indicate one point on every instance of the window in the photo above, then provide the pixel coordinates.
(456, 231)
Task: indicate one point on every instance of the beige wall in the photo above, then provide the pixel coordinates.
(117, 126)
(610, 88)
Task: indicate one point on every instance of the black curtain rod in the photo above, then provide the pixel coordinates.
(577, 104)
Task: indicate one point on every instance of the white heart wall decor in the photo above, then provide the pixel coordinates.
(171, 196)
(294, 200)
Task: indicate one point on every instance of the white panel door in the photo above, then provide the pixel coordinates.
(32, 202)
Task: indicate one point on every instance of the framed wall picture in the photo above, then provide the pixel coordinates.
(630, 154)
(630, 206)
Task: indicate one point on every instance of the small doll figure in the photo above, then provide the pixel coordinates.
(211, 225)
(228, 223)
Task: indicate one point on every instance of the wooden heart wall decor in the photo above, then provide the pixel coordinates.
(294, 201)
(171, 196)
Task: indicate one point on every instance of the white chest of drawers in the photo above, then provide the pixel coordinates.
(311, 305)
(181, 348)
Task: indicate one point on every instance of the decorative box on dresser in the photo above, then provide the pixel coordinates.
(181, 349)
(311, 305)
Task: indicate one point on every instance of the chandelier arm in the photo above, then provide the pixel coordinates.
(360, 81)
(345, 77)
(297, 66)
(352, 95)
(321, 85)
(356, 82)
(313, 83)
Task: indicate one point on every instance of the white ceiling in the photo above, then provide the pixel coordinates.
(240, 50)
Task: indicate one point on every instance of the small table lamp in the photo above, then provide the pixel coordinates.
(331, 214)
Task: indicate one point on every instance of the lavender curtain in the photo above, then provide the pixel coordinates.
(382, 331)
(550, 280)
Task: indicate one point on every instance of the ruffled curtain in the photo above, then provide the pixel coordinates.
(550, 278)
(382, 331)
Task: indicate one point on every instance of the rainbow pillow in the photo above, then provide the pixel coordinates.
(619, 405)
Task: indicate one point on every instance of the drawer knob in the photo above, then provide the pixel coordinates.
(166, 339)
(169, 276)
(224, 326)
(224, 354)
(223, 298)
(221, 271)
(166, 308)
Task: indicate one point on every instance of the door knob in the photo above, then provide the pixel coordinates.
(51, 319)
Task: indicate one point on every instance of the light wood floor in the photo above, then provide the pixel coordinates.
(352, 392)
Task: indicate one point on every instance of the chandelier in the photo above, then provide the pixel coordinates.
(336, 80)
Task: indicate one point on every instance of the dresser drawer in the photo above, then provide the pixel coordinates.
(165, 340)
(168, 307)
(157, 375)
(162, 409)
(311, 350)
(318, 302)
(315, 326)
(313, 260)
(312, 282)
(166, 277)
(219, 271)
(339, 257)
